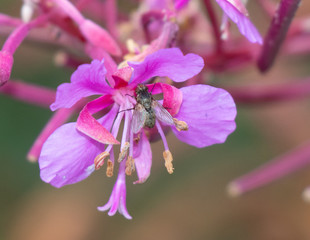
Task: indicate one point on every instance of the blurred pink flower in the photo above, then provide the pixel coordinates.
(79, 31)
(75, 150)
(236, 11)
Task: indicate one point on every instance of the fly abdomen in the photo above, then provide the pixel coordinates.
(150, 119)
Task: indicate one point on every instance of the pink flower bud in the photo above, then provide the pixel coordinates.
(6, 63)
(99, 37)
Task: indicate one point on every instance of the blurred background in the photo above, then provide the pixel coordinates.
(192, 203)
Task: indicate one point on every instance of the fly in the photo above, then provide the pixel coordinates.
(147, 109)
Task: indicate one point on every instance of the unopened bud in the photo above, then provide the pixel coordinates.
(60, 59)
(26, 11)
(99, 160)
(124, 151)
(110, 167)
(6, 63)
(168, 161)
(130, 166)
(99, 37)
(180, 125)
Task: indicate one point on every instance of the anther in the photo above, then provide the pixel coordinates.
(132, 46)
(168, 161)
(180, 125)
(137, 139)
(130, 166)
(99, 160)
(110, 167)
(124, 151)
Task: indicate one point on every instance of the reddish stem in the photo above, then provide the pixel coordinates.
(276, 33)
(29, 93)
(214, 24)
(272, 170)
(267, 94)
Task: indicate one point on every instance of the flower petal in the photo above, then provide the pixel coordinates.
(99, 37)
(87, 80)
(168, 62)
(179, 4)
(88, 125)
(209, 112)
(68, 156)
(172, 96)
(143, 158)
(244, 24)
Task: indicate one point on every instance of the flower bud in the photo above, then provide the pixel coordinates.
(6, 63)
(99, 37)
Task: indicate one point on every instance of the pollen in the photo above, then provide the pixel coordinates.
(99, 160)
(124, 151)
(180, 125)
(168, 161)
(137, 139)
(110, 168)
(130, 166)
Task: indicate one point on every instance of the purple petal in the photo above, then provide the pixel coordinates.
(88, 125)
(179, 4)
(168, 62)
(143, 158)
(209, 113)
(244, 24)
(68, 155)
(87, 80)
(99, 37)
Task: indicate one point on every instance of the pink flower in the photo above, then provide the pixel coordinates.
(78, 31)
(75, 150)
(236, 11)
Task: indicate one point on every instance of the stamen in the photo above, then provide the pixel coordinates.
(130, 166)
(168, 161)
(180, 125)
(125, 144)
(162, 135)
(110, 167)
(124, 152)
(115, 128)
(132, 46)
(131, 141)
(137, 139)
(99, 160)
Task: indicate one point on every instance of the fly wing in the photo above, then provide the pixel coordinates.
(138, 118)
(161, 113)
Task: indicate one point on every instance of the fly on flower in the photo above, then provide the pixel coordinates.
(209, 112)
(147, 110)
